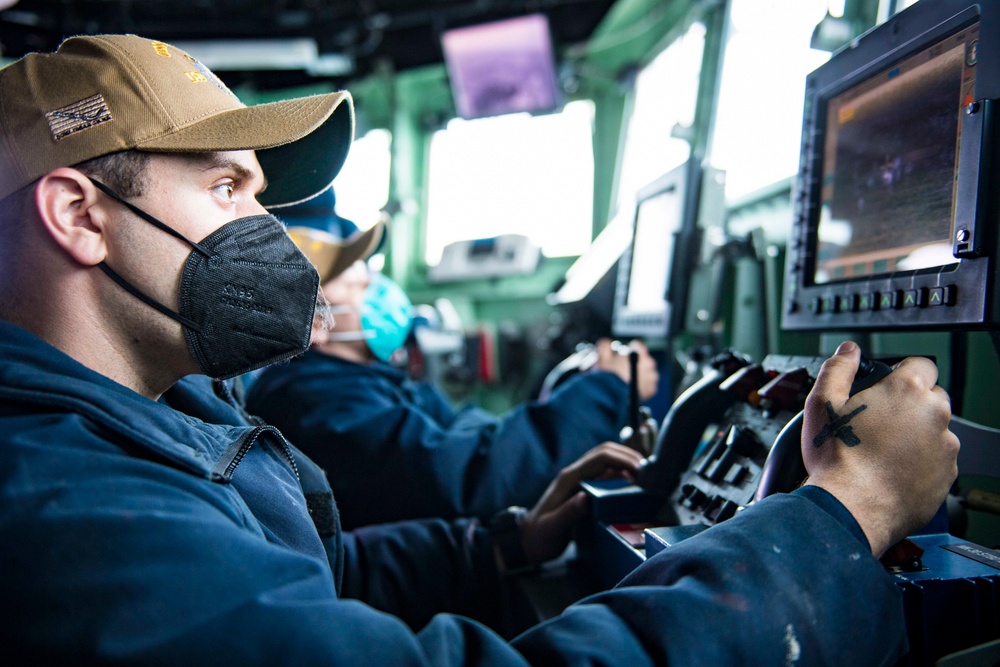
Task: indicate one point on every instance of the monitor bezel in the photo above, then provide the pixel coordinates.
(970, 279)
(629, 321)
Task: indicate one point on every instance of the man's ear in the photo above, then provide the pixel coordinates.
(74, 214)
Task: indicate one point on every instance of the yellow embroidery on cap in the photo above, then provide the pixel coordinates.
(196, 77)
(161, 49)
(209, 75)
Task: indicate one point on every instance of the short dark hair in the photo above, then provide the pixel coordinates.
(123, 172)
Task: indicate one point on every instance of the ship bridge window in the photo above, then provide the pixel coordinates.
(362, 186)
(662, 106)
(513, 174)
(758, 125)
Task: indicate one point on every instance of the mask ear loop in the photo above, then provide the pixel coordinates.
(150, 219)
(333, 311)
(351, 335)
(191, 324)
(111, 273)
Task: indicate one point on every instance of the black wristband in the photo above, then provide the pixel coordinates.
(505, 529)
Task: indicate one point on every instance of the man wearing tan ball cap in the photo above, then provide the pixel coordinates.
(113, 93)
(332, 255)
(135, 249)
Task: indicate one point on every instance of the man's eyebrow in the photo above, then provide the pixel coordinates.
(210, 161)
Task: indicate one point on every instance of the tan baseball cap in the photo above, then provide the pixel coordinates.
(107, 93)
(331, 255)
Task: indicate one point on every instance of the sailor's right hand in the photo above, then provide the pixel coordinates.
(886, 453)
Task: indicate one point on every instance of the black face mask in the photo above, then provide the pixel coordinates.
(247, 294)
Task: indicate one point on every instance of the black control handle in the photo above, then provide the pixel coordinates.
(633, 390)
(869, 372)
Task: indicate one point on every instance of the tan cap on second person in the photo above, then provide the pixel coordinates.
(330, 255)
(107, 93)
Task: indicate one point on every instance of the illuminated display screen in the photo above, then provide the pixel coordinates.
(657, 220)
(890, 158)
(502, 67)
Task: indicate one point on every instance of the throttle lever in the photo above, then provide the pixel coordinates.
(640, 433)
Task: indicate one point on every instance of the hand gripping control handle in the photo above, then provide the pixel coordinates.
(784, 470)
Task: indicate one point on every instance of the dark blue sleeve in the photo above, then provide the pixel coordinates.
(416, 569)
(143, 564)
(184, 576)
(391, 454)
(585, 411)
(829, 504)
(788, 581)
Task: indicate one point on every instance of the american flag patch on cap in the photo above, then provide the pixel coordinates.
(78, 116)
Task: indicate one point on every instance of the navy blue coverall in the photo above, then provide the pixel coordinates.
(135, 534)
(396, 449)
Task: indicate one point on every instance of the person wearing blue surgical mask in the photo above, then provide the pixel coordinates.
(139, 260)
(382, 318)
(397, 449)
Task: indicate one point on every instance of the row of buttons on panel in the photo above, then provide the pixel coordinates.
(919, 297)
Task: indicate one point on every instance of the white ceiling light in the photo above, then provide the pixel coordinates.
(266, 54)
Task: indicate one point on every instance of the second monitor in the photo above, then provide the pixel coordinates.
(654, 271)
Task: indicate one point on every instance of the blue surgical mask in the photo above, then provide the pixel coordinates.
(385, 314)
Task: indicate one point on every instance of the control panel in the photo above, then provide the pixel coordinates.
(709, 459)
(747, 415)
(494, 257)
(727, 466)
(851, 301)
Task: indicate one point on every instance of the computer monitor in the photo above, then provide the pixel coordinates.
(651, 291)
(502, 67)
(895, 192)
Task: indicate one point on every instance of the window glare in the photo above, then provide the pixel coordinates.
(665, 94)
(515, 174)
(759, 122)
(362, 186)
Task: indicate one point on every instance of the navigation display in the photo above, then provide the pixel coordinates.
(890, 159)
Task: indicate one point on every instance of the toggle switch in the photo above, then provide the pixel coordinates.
(743, 440)
(745, 382)
(788, 390)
